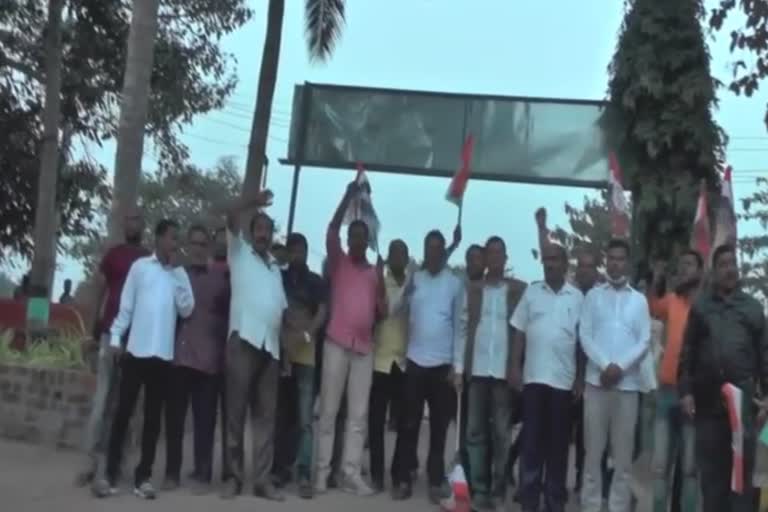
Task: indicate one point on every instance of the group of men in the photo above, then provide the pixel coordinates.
(230, 330)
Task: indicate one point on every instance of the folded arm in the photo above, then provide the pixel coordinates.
(592, 349)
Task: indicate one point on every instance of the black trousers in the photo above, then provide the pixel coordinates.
(286, 434)
(433, 386)
(152, 375)
(577, 420)
(185, 386)
(386, 391)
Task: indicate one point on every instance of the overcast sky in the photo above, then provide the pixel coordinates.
(554, 49)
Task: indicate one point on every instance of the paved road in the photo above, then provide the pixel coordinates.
(39, 479)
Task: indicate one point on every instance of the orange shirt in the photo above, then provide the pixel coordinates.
(673, 310)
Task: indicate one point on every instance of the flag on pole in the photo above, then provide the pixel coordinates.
(459, 181)
(701, 235)
(725, 214)
(361, 208)
(618, 205)
(733, 400)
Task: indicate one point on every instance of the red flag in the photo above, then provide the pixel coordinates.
(459, 182)
(725, 214)
(618, 205)
(701, 236)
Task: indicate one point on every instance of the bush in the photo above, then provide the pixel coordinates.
(61, 350)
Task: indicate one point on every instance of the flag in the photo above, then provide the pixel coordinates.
(725, 214)
(459, 500)
(361, 208)
(618, 206)
(701, 235)
(459, 181)
(733, 400)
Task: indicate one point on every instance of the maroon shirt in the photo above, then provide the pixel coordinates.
(201, 338)
(115, 266)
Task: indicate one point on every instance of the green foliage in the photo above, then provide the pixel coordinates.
(752, 37)
(754, 249)
(55, 351)
(187, 195)
(324, 20)
(659, 120)
(191, 76)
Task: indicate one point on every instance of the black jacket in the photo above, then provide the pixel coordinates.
(725, 340)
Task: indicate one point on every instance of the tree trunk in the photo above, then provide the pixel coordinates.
(133, 112)
(45, 212)
(267, 79)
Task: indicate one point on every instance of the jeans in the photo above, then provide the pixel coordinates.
(305, 383)
(386, 391)
(434, 386)
(674, 439)
(610, 418)
(490, 403)
(102, 408)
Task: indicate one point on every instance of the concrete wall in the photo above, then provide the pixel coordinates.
(43, 405)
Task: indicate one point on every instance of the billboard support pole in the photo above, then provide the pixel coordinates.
(306, 94)
(294, 194)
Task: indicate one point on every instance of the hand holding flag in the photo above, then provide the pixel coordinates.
(460, 180)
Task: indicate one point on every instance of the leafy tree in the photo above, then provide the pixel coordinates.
(754, 249)
(188, 196)
(659, 120)
(190, 75)
(751, 37)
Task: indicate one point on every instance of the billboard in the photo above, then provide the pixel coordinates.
(516, 139)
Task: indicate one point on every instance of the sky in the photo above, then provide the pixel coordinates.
(557, 49)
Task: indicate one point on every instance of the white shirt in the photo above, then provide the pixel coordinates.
(433, 324)
(615, 328)
(491, 338)
(549, 321)
(153, 297)
(258, 297)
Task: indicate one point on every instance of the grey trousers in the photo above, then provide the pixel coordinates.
(102, 409)
(610, 419)
(251, 383)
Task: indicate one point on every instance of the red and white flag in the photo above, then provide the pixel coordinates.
(733, 400)
(618, 206)
(701, 236)
(725, 214)
(361, 208)
(460, 180)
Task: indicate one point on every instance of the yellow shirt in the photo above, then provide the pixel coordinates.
(390, 333)
(298, 348)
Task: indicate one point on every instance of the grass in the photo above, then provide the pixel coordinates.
(59, 350)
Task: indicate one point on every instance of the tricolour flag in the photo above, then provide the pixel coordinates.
(361, 208)
(734, 402)
(725, 215)
(618, 205)
(701, 236)
(460, 180)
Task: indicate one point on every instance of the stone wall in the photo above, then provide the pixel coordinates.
(44, 405)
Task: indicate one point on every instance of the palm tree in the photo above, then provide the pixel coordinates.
(133, 111)
(44, 259)
(324, 20)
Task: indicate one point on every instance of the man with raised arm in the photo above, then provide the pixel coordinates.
(253, 350)
(357, 296)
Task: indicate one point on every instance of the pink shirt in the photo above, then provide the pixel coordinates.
(353, 298)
